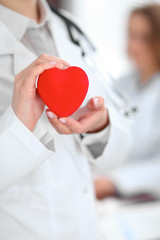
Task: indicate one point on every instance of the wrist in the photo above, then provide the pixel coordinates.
(28, 123)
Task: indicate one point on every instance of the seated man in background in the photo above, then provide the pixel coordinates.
(140, 174)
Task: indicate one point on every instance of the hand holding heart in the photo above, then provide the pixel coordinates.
(63, 92)
(92, 118)
(26, 103)
(28, 106)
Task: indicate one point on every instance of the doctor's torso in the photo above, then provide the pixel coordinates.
(56, 200)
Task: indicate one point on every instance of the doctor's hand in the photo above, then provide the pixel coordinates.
(91, 118)
(26, 103)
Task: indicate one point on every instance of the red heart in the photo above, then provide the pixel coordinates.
(63, 91)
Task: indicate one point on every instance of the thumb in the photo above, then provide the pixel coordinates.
(95, 103)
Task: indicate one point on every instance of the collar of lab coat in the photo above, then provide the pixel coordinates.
(23, 57)
(18, 24)
(7, 40)
(11, 41)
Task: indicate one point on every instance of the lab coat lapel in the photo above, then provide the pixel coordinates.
(10, 45)
(65, 48)
(7, 40)
(22, 57)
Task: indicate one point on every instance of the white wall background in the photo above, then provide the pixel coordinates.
(105, 21)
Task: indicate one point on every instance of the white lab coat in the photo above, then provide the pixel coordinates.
(141, 171)
(46, 193)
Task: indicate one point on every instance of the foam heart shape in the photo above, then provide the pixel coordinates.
(63, 91)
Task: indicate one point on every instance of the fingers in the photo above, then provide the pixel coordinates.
(42, 59)
(73, 125)
(95, 103)
(88, 120)
(36, 71)
(41, 64)
(53, 58)
(58, 124)
(68, 125)
(47, 58)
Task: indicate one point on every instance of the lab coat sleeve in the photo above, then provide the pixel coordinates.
(138, 178)
(112, 143)
(96, 142)
(44, 136)
(20, 151)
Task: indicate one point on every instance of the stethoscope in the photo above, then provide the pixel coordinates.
(119, 99)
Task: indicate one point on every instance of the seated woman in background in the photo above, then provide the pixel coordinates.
(141, 173)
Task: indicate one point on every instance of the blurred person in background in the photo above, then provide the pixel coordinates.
(140, 174)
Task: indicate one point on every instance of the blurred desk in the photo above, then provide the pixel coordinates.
(120, 220)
